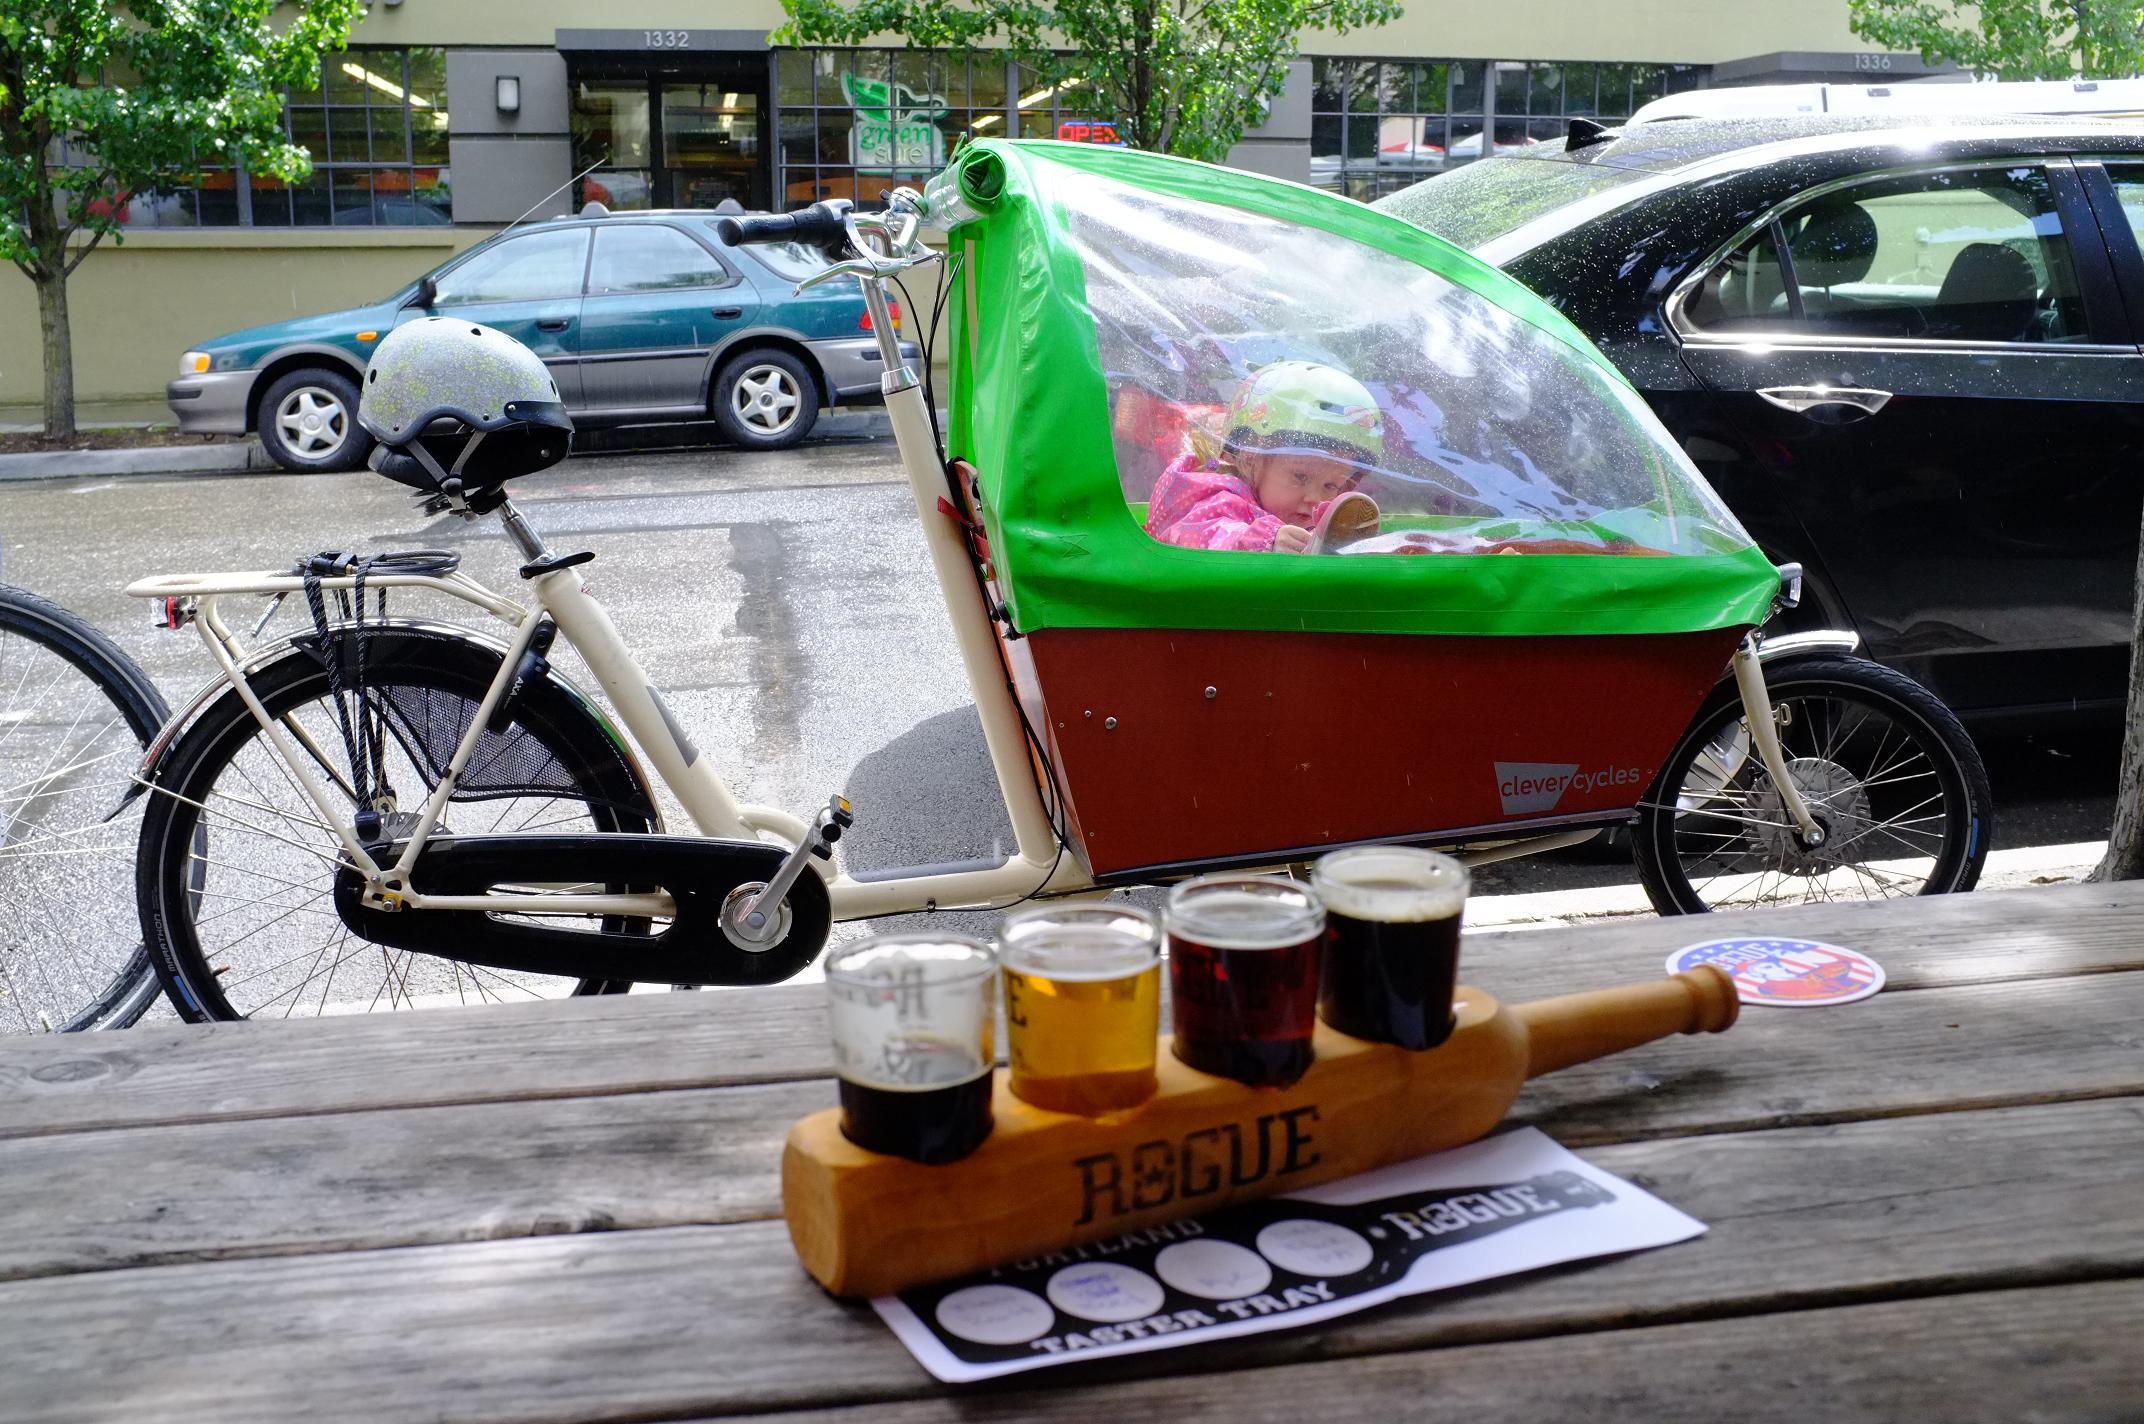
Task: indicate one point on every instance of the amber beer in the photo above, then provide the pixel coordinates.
(912, 1018)
(1082, 1006)
(1391, 943)
(1243, 976)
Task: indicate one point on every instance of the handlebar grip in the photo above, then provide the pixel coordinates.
(822, 225)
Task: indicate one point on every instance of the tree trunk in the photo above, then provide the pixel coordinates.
(59, 353)
(2125, 842)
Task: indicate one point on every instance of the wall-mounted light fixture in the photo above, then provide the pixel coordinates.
(509, 93)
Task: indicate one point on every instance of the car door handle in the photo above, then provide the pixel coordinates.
(553, 323)
(729, 313)
(1804, 399)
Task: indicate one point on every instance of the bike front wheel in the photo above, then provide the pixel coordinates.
(75, 716)
(1886, 769)
(237, 867)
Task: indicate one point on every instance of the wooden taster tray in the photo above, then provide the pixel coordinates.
(866, 1224)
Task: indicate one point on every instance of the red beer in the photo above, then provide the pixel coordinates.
(1244, 952)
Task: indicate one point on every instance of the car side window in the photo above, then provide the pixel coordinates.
(648, 257)
(1974, 255)
(520, 269)
(2129, 189)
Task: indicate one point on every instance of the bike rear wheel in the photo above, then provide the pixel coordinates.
(237, 870)
(75, 716)
(1884, 766)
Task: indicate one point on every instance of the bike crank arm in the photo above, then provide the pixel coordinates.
(753, 917)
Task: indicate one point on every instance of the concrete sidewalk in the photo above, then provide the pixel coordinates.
(91, 415)
(2005, 870)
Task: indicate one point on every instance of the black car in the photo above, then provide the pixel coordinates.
(1908, 357)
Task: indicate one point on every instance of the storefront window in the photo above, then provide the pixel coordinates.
(375, 125)
(868, 119)
(1380, 125)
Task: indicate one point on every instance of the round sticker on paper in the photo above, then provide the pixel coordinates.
(1797, 973)
(995, 1315)
(1105, 1291)
(1216, 1270)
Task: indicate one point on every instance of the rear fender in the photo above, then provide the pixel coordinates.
(310, 643)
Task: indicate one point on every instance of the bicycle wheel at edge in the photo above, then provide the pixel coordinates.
(75, 716)
(1883, 764)
(265, 881)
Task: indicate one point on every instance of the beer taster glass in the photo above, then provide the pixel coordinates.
(1391, 943)
(1082, 1006)
(1243, 972)
(912, 1016)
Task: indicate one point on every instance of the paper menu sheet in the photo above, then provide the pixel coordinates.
(1512, 1203)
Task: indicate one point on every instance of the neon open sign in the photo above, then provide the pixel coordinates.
(1090, 131)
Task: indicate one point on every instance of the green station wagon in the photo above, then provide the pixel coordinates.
(642, 318)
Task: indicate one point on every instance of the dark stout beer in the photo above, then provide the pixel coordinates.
(1391, 943)
(912, 1018)
(940, 1114)
(1243, 973)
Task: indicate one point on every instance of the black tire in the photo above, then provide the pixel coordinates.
(64, 964)
(439, 680)
(748, 397)
(308, 422)
(1885, 765)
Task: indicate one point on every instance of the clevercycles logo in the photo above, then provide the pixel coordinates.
(1529, 788)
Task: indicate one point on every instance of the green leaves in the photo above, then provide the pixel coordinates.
(101, 99)
(2014, 39)
(1180, 76)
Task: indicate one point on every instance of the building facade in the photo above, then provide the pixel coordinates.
(447, 119)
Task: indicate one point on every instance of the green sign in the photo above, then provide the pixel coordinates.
(893, 129)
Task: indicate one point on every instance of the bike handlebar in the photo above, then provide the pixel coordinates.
(823, 225)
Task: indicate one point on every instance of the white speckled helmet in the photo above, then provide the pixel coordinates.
(441, 368)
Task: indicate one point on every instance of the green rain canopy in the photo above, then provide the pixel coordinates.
(1152, 368)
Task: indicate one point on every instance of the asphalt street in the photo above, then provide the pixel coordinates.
(783, 603)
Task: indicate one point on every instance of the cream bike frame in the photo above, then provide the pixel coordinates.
(886, 245)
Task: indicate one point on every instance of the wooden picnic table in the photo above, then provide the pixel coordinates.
(1926, 1206)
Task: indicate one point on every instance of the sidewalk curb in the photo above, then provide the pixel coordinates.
(152, 460)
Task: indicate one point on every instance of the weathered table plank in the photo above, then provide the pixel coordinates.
(2035, 1355)
(709, 1320)
(474, 1172)
(175, 1073)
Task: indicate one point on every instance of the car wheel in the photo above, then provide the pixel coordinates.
(308, 422)
(766, 400)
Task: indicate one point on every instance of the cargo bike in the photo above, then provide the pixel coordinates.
(1518, 616)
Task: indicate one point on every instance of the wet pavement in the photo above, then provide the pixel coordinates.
(783, 602)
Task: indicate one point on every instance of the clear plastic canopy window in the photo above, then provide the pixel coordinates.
(1485, 433)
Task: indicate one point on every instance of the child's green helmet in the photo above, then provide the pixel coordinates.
(1303, 398)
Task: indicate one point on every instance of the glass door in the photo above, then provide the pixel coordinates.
(710, 145)
(611, 133)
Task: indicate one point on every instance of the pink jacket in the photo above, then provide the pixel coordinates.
(1199, 507)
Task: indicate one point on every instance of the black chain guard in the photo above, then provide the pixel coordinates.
(692, 949)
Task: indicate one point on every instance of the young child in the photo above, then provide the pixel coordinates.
(1298, 435)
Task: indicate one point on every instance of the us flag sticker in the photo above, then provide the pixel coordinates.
(1791, 973)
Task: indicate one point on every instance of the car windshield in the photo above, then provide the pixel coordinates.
(1483, 201)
